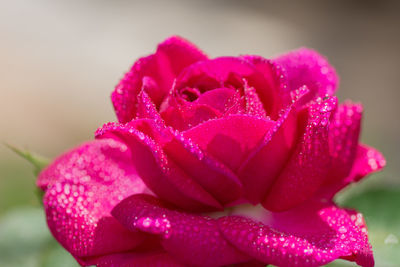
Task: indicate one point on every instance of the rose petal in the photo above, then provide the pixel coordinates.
(274, 75)
(156, 169)
(182, 115)
(162, 67)
(228, 72)
(180, 53)
(230, 139)
(221, 99)
(82, 186)
(307, 67)
(313, 234)
(307, 168)
(344, 132)
(261, 168)
(211, 174)
(254, 105)
(173, 153)
(367, 161)
(194, 239)
(142, 259)
(146, 108)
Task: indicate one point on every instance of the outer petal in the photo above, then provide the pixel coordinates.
(83, 186)
(162, 67)
(313, 234)
(344, 132)
(194, 239)
(274, 75)
(308, 167)
(141, 259)
(230, 139)
(307, 67)
(187, 116)
(367, 161)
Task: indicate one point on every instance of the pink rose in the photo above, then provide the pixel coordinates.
(215, 162)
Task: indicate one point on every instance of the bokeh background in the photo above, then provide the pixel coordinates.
(59, 62)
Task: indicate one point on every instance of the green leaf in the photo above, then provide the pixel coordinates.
(26, 241)
(38, 162)
(380, 207)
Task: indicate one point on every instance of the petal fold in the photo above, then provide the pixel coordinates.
(308, 166)
(310, 235)
(344, 132)
(307, 67)
(230, 139)
(194, 239)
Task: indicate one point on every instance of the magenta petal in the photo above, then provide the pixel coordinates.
(125, 93)
(221, 99)
(261, 168)
(161, 174)
(156, 73)
(183, 117)
(140, 259)
(308, 166)
(82, 186)
(344, 131)
(180, 53)
(193, 239)
(367, 160)
(146, 108)
(228, 72)
(274, 75)
(215, 177)
(307, 67)
(310, 235)
(254, 105)
(230, 139)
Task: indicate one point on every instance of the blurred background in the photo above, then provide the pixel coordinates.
(59, 62)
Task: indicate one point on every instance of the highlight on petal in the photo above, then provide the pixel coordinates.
(313, 234)
(307, 67)
(193, 239)
(82, 186)
(307, 167)
(155, 73)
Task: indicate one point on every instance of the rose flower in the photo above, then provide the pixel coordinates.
(215, 162)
